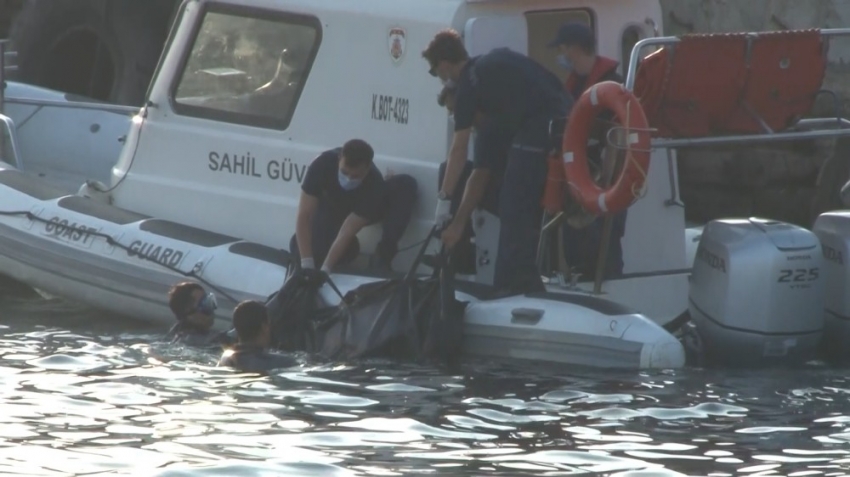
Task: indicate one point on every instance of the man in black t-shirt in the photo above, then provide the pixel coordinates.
(343, 192)
(519, 98)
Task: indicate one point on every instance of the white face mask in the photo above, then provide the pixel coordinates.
(565, 62)
(449, 83)
(348, 184)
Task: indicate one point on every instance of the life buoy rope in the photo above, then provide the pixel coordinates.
(638, 187)
(630, 185)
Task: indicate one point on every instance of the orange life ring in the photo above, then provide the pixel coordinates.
(629, 186)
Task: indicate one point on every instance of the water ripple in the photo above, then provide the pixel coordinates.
(82, 396)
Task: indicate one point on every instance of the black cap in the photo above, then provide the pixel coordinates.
(574, 33)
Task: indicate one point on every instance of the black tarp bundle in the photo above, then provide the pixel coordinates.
(405, 318)
(291, 311)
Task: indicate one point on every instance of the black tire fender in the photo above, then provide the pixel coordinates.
(103, 49)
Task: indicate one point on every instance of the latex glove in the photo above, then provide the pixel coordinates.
(308, 263)
(443, 213)
(314, 277)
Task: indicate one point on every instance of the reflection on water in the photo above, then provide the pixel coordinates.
(88, 394)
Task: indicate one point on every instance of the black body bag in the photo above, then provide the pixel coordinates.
(405, 318)
(292, 309)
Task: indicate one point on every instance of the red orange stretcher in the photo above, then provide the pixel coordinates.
(731, 83)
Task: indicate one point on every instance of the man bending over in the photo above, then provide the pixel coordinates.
(343, 192)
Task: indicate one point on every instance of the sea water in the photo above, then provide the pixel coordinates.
(86, 393)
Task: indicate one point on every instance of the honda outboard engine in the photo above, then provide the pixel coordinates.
(833, 230)
(756, 293)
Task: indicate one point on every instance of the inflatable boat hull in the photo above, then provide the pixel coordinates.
(118, 260)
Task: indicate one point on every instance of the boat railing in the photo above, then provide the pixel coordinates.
(725, 89)
(6, 55)
(744, 62)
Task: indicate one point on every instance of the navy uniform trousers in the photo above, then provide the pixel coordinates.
(520, 210)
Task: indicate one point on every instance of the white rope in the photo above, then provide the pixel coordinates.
(637, 193)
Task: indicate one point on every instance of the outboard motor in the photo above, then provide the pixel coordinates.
(756, 293)
(833, 230)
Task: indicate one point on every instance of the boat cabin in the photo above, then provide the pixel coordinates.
(249, 92)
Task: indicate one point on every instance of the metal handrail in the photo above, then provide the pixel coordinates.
(842, 129)
(634, 58)
(7, 121)
(93, 105)
(113, 108)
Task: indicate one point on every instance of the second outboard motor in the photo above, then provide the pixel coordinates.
(756, 293)
(833, 230)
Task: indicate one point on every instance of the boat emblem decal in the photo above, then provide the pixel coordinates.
(397, 43)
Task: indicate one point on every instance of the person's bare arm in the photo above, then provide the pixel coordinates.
(307, 206)
(350, 227)
(476, 185)
(456, 160)
(474, 191)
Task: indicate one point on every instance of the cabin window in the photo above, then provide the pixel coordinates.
(543, 26)
(247, 66)
(631, 35)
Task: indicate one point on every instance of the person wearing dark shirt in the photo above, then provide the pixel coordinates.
(194, 310)
(491, 197)
(342, 192)
(463, 252)
(576, 45)
(519, 98)
(253, 329)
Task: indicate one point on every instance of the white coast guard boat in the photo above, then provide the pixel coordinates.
(206, 184)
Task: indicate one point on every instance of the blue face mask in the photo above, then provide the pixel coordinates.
(565, 62)
(207, 305)
(346, 183)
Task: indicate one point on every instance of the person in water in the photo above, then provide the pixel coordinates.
(194, 310)
(251, 353)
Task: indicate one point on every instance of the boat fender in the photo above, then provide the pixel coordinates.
(96, 190)
(630, 185)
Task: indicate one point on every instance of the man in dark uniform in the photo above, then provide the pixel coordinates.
(251, 353)
(194, 309)
(490, 201)
(519, 98)
(576, 45)
(464, 251)
(343, 192)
